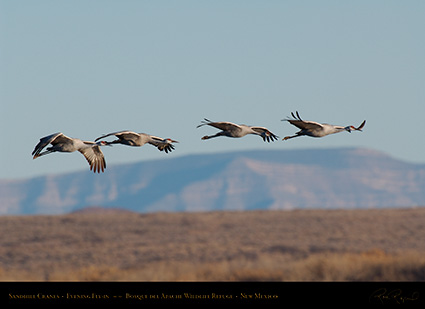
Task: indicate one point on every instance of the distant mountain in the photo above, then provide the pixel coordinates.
(285, 179)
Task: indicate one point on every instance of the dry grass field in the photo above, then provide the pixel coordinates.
(323, 245)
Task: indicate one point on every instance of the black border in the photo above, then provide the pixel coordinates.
(261, 293)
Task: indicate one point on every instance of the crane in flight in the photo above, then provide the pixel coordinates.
(315, 129)
(237, 130)
(62, 143)
(134, 139)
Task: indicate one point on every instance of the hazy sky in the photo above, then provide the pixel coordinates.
(86, 68)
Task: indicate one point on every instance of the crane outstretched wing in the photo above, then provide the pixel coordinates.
(265, 134)
(125, 134)
(222, 125)
(162, 144)
(94, 157)
(360, 127)
(303, 124)
(50, 139)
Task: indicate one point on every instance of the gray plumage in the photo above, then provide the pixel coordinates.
(230, 129)
(315, 129)
(62, 143)
(134, 139)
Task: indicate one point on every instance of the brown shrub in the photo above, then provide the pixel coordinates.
(312, 245)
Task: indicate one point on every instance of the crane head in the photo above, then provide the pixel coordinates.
(349, 128)
(103, 143)
(353, 128)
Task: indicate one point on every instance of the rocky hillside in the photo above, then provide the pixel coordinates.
(288, 179)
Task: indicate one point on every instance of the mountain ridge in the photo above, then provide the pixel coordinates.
(243, 180)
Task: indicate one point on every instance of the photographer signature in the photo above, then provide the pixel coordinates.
(395, 296)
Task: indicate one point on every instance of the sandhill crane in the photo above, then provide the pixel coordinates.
(237, 130)
(315, 129)
(130, 138)
(62, 143)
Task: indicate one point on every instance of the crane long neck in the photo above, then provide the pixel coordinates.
(330, 129)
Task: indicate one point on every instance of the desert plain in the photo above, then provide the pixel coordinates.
(298, 245)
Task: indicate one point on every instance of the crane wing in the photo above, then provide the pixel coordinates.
(161, 144)
(125, 134)
(305, 125)
(50, 139)
(94, 157)
(265, 134)
(360, 127)
(223, 125)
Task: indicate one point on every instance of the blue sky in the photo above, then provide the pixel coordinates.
(86, 68)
